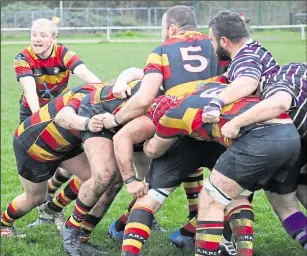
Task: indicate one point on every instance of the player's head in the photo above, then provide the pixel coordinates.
(44, 33)
(177, 20)
(160, 106)
(225, 30)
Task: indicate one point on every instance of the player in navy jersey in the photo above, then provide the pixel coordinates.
(251, 64)
(285, 91)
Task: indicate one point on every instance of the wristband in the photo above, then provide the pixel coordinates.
(217, 102)
(86, 124)
(117, 123)
(129, 180)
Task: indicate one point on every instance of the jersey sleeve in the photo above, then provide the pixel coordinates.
(154, 62)
(170, 127)
(22, 67)
(70, 59)
(246, 65)
(75, 101)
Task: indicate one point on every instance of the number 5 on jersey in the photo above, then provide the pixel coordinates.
(187, 56)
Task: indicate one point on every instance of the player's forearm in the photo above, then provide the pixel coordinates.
(238, 89)
(265, 110)
(32, 100)
(68, 119)
(131, 74)
(123, 148)
(85, 74)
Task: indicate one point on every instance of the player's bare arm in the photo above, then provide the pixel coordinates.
(29, 87)
(138, 103)
(136, 131)
(265, 110)
(121, 88)
(157, 146)
(85, 74)
(70, 120)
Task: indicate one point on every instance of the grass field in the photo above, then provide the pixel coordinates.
(107, 60)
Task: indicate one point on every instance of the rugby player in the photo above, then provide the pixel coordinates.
(184, 119)
(183, 60)
(286, 91)
(43, 70)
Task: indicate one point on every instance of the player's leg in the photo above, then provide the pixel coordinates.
(59, 178)
(301, 191)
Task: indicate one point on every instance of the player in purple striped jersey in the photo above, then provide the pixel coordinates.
(251, 63)
(286, 91)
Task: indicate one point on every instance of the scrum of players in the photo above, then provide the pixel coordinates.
(219, 101)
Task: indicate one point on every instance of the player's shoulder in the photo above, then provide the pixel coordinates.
(24, 53)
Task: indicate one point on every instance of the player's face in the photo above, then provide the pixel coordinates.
(219, 50)
(42, 40)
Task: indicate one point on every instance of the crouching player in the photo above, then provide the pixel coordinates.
(230, 177)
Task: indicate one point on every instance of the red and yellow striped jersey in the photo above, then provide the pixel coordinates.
(184, 61)
(51, 75)
(185, 118)
(41, 137)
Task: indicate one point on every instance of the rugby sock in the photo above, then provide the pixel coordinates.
(89, 223)
(296, 227)
(227, 233)
(10, 215)
(121, 222)
(189, 229)
(68, 194)
(192, 186)
(241, 221)
(58, 179)
(208, 237)
(78, 215)
(137, 230)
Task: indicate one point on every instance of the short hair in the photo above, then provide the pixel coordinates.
(182, 16)
(230, 25)
(45, 22)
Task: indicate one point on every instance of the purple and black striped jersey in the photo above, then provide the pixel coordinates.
(252, 60)
(291, 78)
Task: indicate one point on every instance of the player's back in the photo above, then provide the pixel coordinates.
(184, 62)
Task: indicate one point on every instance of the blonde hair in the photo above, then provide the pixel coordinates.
(48, 23)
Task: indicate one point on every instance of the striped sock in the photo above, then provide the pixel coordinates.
(121, 222)
(68, 194)
(227, 233)
(89, 223)
(241, 221)
(208, 237)
(192, 186)
(137, 230)
(11, 214)
(296, 227)
(58, 179)
(78, 215)
(189, 229)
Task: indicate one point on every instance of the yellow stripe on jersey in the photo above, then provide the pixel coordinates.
(52, 79)
(133, 83)
(154, 58)
(189, 117)
(165, 60)
(69, 54)
(97, 96)
(36, 150)
(186, 87)
(56, 135)
(216, 130)
(173, 123)
(21, 63)
(228, 107)
(21, 128)
(67, 97)
(44, 114)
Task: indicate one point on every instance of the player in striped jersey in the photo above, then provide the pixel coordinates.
(251, 64)
(185, 119)
(286, 91)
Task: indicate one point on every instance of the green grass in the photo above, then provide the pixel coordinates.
(107, 60)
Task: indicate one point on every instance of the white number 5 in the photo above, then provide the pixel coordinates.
(203, 62)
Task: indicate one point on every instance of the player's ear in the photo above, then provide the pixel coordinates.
(224, 41)
(173, 29)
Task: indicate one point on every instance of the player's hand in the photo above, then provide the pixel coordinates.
(121, 89)
(137, 188)
(211, 112)
(96, 123)
(230, 130)
(108, 120)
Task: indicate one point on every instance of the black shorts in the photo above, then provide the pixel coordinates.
(36, 171)
(24, 113)
(262, 157)
(181, 160)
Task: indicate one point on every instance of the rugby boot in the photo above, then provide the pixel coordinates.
(156, 226)
(48, 216)
(10, 232)
(71, 241)
(113, 233)
(227, 248)
(182, 241)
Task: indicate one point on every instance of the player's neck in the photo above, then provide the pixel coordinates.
(237, 47)
(46, 54)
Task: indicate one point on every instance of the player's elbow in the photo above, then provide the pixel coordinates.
(282, 101)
